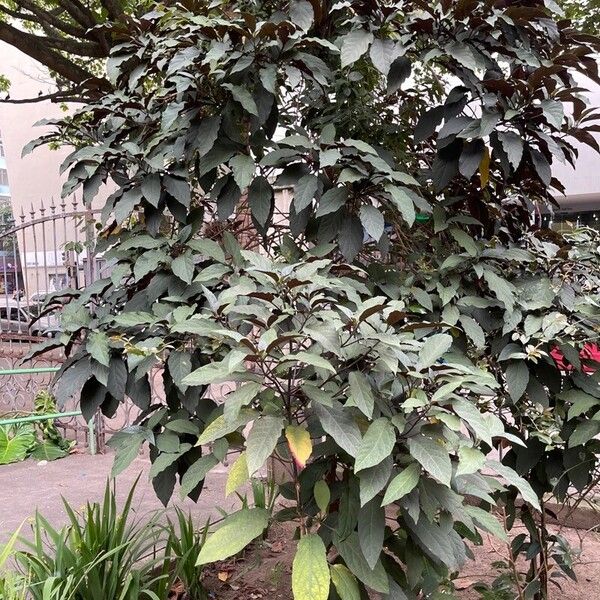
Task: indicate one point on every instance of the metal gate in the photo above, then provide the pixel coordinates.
(50, 248)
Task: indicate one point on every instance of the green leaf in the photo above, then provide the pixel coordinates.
(361, 394)
(402, 484)
(127, 444)
(473, 330)
(376, 578)
(470, 158)
(383, 53)
(311, 359)
(238, 474)
(304, 191)
(513, 146)
(48, 450)
(196, 473)
(354, 45)
(339, 424)
(260, 200)
(262, 440)
(503, 290)
(403, 202)
(351, 237)
(233, 402)
(345, 583)
(371, 531)
(244, 97)
(400, 71)
(470, 460)
(216, 372)
(554, 112)
(372, 220)
(433, 349)
(310, 571)
(487, 521)
(244, 168)
(583, 433)
(517, 379)
(15, 442)
(98, 346)
(180, 366)
(220, 427)
(183, 267)
(207, 134)
(332, 200)
(234, 534)
(322, 495)
(376, 445)
(302, 14)
(433, 456)
(513, 479)
(374, 479)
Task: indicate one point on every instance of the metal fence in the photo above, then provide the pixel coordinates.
(43, 250)
(52, 247)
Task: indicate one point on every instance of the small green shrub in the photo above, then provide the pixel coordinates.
(16, 442)
(183, 546)
(41, 441)
(104, 553)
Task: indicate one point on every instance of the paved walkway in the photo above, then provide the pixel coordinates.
(26, 487)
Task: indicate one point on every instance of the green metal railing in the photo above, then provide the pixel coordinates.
(50, 416)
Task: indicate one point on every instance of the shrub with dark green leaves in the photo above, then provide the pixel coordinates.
(391, 340)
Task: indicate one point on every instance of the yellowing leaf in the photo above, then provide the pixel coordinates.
(234, 534)
(484, 168)
(345, 583)
(310, 572)
(238, 474)
(300, 444)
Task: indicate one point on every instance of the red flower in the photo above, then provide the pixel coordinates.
(590, 353)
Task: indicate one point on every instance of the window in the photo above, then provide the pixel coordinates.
(1, 147)
(3, 177)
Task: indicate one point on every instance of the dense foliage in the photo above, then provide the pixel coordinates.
(391, 340)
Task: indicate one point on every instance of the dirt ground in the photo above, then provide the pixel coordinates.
(28, 486)
(265, 570)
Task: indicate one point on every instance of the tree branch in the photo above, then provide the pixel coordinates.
(35, 47)
(49, 17)
(62, 96)
(79, 12)
(114, 8)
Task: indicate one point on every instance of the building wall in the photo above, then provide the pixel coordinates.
(35, 180)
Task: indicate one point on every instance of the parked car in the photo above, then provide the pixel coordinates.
(18, 319)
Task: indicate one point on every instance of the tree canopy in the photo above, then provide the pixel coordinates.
(398, 325)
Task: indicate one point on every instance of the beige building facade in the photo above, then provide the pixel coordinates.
(50, 246)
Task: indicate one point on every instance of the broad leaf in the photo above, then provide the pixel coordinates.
(371, 531)
(345, 583)
(433, 456)
(299, 443)
(261, 442)
(233, 535)
(354, 45)
(310, 571)
(402, 484)
(433, 349)
(376, 445)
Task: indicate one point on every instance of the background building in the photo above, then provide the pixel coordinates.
(51, 252)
